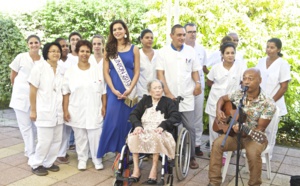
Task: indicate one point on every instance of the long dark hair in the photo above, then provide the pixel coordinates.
(111, 46)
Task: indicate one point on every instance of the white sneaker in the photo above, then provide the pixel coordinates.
(81, 165)
(99, 166)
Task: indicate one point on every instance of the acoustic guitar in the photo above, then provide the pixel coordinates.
(220, 127)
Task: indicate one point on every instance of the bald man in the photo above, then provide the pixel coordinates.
(259, 109)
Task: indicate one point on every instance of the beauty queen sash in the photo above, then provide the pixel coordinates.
(132, 98)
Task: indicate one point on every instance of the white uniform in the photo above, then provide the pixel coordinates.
(199, 100)
(216, 57)
(178, 67)
(278, 72)
(49, 114)
(225, 81)
(23, 64)
(64, 66)
(86, 88)
(147, 73)
(73, 59)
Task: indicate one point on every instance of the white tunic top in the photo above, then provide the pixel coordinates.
(49, 95)
(92, 61)
(225, 82)
(202, 59)
(73, 59)
(278, 72)
(147, 73)
(86, 88)
(178, 67)
(216, 57)
(22, 64)
(65, 65)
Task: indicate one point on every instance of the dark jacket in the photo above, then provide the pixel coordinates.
(165, 105)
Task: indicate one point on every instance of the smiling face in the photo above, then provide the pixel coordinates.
(97, 45)
(229, 54)
(178, 37)
(84, 54)
(54, 53)
(65, 47)
(34, 44)
(156, 90)
(272, 50)
(118, 31)
(147, 40)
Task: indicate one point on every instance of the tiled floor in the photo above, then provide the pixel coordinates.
(15, 171)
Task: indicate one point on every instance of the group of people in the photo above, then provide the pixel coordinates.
(70, 89)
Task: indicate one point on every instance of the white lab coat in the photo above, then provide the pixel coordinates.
(178, 67)
(147, 73)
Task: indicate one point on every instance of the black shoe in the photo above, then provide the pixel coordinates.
(53, 168)
(207, 144)
(152, 181)
(198, 151)
(40, 171)
(134, 179)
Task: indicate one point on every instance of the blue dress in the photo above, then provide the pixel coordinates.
(116, 125)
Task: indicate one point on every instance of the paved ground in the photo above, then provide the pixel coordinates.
(15, 171)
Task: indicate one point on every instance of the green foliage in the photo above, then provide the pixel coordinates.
(12, 43)
(88, 17)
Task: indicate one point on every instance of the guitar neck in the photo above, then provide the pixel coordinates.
(246, 129)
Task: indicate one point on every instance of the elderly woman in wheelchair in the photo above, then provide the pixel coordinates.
(153, 119)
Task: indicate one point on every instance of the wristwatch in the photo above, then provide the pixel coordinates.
(198, 82)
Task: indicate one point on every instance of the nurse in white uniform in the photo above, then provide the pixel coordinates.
(20, 70)
(46, 110)
(224, 78)
(83, 89)
(148, 57)
(98, 43)
(64, 64)
(276, 74)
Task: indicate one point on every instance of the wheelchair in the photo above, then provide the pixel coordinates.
(180, 163)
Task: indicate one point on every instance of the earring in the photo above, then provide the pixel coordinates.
(125, 36)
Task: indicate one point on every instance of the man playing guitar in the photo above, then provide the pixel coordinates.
(259, 110)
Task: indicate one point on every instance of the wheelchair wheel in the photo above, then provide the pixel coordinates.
(123, 171)
(183, 153)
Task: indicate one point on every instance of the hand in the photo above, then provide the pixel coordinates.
(197, 90)
(126, 93)
(221, 116)
(138, 130)
(33, 115)
(103, 111)
(235, 128)
(67, 116)
(159, 130)
(118, 94)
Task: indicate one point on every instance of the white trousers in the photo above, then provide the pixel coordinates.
(212, 134)
(199, 101)
(28, 131)
(65, 141)
(49, 140)
(271, 132)
(87, 139)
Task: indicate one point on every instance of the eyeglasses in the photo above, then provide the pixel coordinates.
(58, 52)
(191, 32)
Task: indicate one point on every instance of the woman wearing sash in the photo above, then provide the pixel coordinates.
(121, 70)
